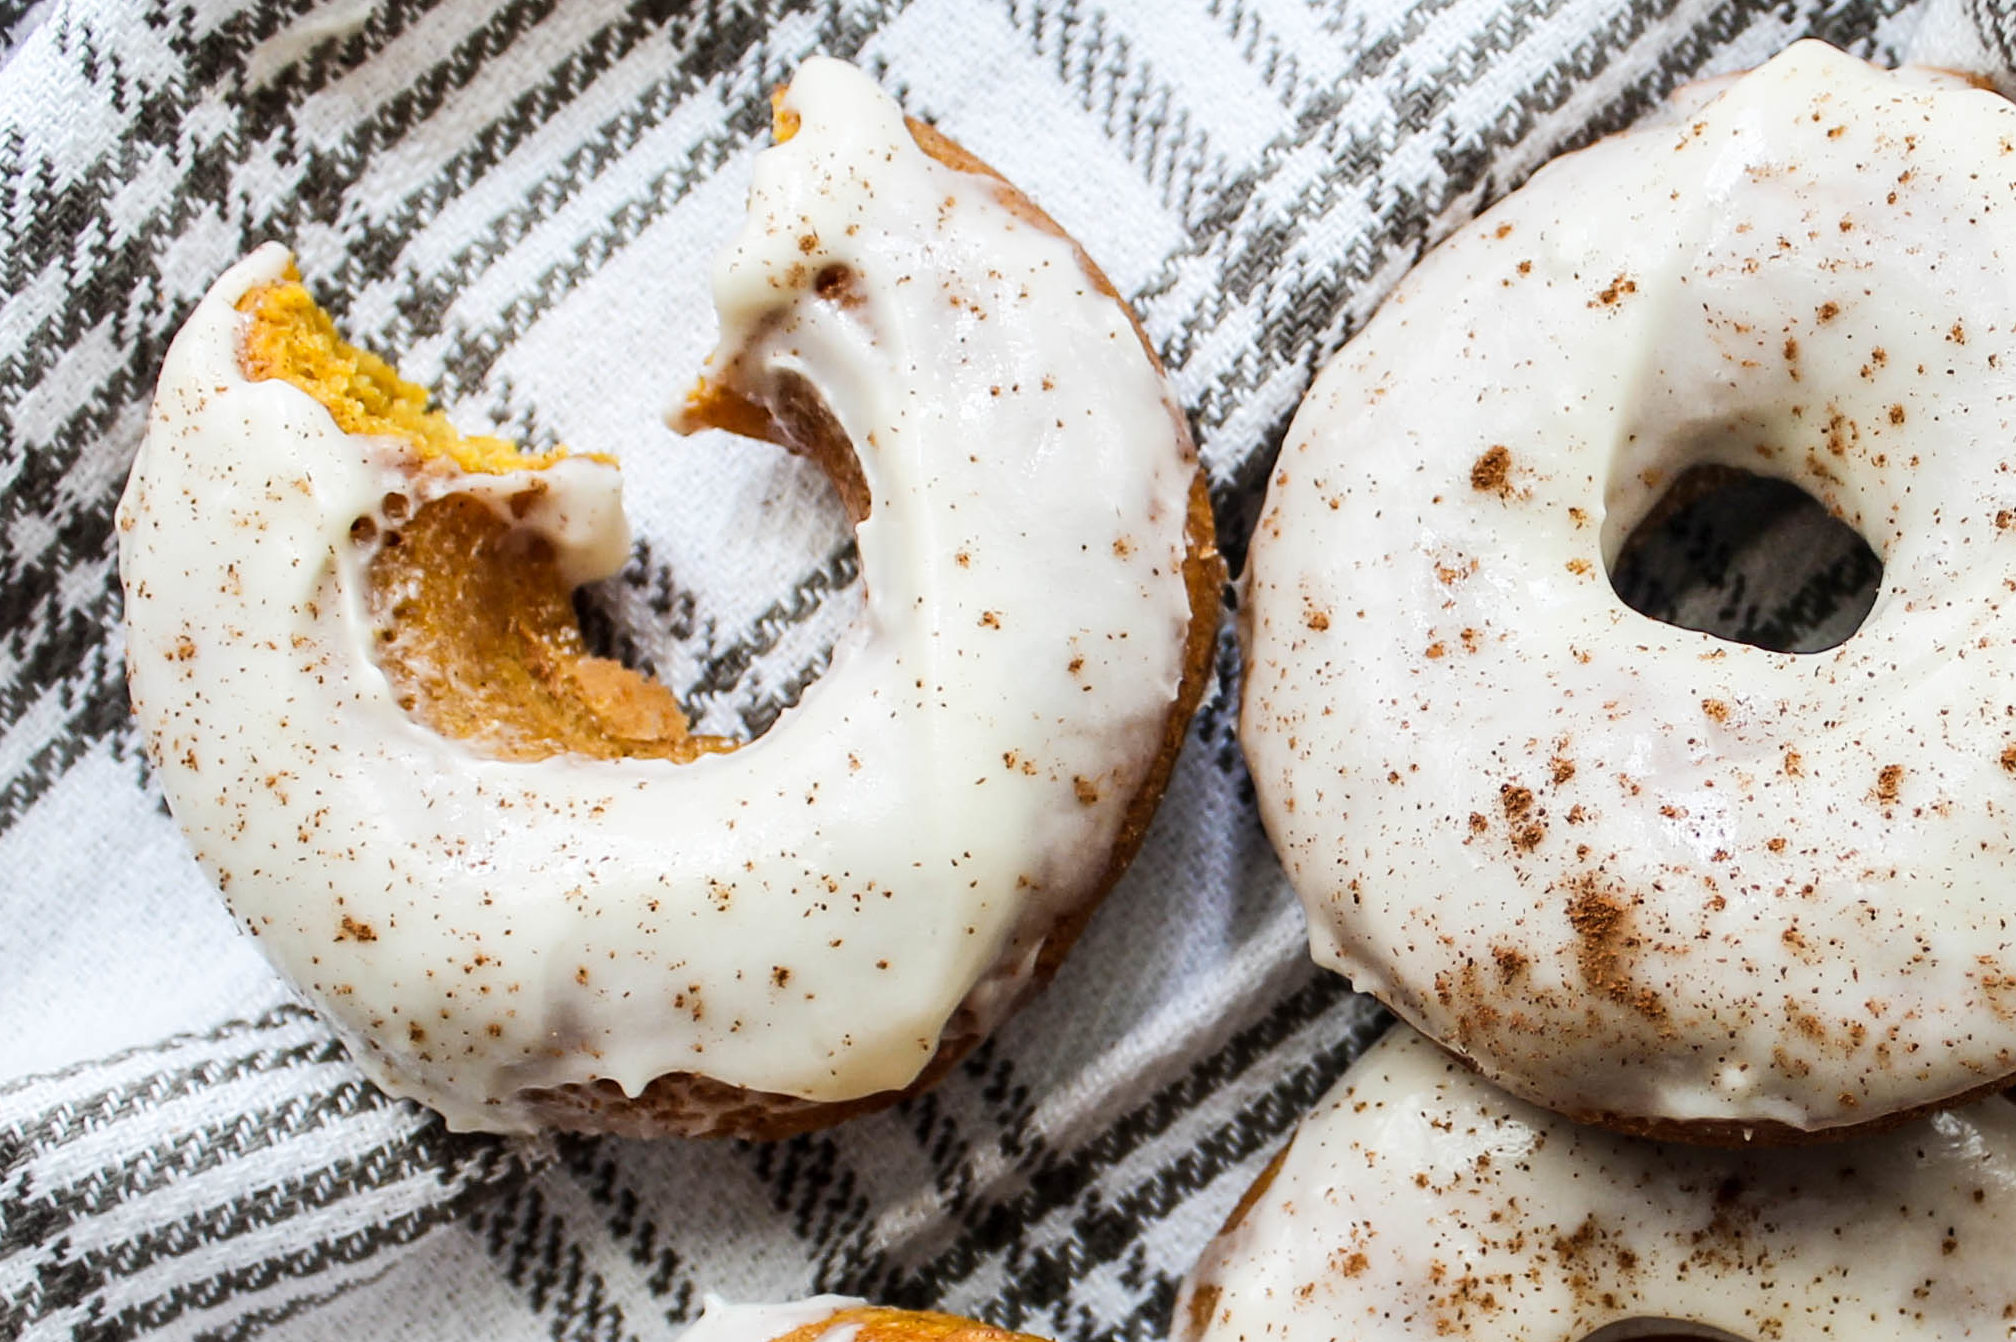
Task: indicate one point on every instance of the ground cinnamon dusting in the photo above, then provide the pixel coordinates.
(836, 284)
(1887, 783)
(1601, 919)
(1616, 289)
(1492, 472)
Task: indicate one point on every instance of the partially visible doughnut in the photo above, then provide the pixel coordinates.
(502, 868)
(836, 1318)
(1416, 1201)
(1643, 875)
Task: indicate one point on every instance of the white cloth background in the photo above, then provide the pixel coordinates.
(520, 200)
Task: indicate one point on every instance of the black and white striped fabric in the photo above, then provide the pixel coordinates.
(520, 198)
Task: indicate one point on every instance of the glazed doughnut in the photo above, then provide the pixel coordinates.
(502, 868)
(836, 1318)
(1642, 875)
(1416, 1201)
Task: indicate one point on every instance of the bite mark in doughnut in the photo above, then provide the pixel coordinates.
(474, 616)
(1639, 874)
(1416, 1201)
(834, 1318)
(505, 870)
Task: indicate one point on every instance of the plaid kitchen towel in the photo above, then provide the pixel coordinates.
(519, 199)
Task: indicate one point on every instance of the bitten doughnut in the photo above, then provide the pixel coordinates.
(836, 1318)
(1416, 1201)
(1642, 875)
(502, 868)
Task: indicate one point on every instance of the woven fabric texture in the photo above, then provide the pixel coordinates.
(520, 200)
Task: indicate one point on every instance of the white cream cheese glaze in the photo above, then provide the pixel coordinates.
(799, 917)
(1416, 1201)
(1633, 871)
(721, 1321)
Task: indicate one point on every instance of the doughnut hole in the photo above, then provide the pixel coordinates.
(473, 619)
(1749, 558)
